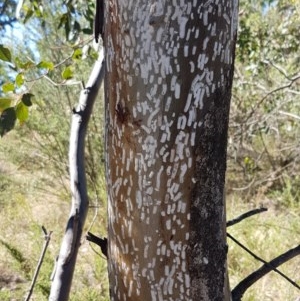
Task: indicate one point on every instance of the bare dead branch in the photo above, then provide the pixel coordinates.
(245, 215)
(101, 242)
(65, 265)
(40, 262)
(238, 293)
(239, 290)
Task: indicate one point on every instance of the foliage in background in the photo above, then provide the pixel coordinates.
(7, 14)
(53, 71)
(264, 144)
(41, 74)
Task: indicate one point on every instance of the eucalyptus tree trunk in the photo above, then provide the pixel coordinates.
(169, 69)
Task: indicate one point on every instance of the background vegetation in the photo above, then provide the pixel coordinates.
(52, 54)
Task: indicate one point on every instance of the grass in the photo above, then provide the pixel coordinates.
(268, 235)
(31, 196)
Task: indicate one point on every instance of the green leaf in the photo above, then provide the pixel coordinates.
(77, 54)
(7, 121)
(8, 87)
(62, 20)
(67, 30)
(5, 103)
(27, 65)
(21, 112)
(38, 9)
(67, 73)
(88, 31)
(65, 21)
(28, 15)
(77, 26)
(45, 65)
(26, 99)
(20, 79)
(71, 7)
(5, 54)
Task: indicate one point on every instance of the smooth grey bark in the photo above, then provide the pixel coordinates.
(65, 264)
(169, 69)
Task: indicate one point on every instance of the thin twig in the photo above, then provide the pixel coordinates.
(65, 82)
(289, 114)
(278, 68)
(268, 264)
(245, 215)
(288, 85)
(245, 187)
(40, 262)
(239, 290)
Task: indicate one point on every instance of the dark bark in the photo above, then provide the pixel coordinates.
(101, 242)
(99, 20)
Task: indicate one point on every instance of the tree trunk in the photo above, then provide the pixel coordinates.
(169, 68)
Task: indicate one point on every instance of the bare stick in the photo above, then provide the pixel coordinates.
(40, 262)
(239, 290)
(245, 215)
(63, 274)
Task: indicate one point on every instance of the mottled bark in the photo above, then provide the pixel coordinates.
(169, 71)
